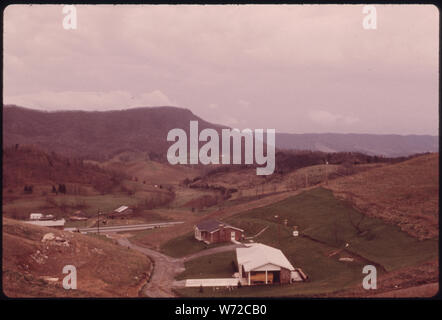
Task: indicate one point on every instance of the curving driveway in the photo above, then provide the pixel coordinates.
(165, 268)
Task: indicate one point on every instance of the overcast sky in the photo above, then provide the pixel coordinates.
(294, 68)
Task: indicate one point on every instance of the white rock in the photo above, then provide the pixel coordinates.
(49, 279)
(346, 259)
(48, 237)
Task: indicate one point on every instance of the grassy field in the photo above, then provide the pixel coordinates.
(185, 195)
(326, 225)
(405, 193)
(320, 216)
(139, 234)
(55, 204)
(152, 172)
(185, 245)
(218, 265)
(101, 237)
(65, 205)
(144, 185)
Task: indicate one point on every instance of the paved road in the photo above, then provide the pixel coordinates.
(129, 227)
(166, 268)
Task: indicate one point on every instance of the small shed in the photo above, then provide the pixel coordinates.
(35, 216)
(121, 212)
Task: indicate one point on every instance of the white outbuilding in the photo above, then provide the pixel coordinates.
(262, 264)
(35, 216)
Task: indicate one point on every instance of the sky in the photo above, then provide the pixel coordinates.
(293, 68)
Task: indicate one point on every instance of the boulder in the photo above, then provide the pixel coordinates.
(48, 237)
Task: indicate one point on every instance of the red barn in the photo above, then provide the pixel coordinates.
(213, 231)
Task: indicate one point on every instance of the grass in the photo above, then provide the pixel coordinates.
(325, 225)
(140, 234)
(52, 203)
(218, 265)
(185, 195)
(77, 224)
(326, 274)
(101, 237)
(406, 193)
(185, 245)
(151, 171)
(320, 216)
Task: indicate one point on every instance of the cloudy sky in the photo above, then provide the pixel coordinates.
(295, 68)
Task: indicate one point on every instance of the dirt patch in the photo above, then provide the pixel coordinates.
(34, 257)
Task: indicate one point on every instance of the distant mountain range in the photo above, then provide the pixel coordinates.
(389, 145)
(100, 135)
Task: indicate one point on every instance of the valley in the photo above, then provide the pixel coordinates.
(349, 210)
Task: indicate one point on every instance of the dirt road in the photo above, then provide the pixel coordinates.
(166, 268)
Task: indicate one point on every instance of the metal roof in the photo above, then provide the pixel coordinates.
(258, 255)
(35, 214)
(121, 209)
(213, 225)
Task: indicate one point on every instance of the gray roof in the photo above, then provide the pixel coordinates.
(212, 225)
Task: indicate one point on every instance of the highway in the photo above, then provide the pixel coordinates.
(123, 228)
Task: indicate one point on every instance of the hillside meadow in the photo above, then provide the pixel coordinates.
(326, 226)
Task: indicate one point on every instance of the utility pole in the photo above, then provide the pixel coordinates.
(326, 175)
(98, 221)
(279, 230)
(279, 234)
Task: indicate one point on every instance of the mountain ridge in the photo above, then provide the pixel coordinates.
(391, 145)
(99, 135)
